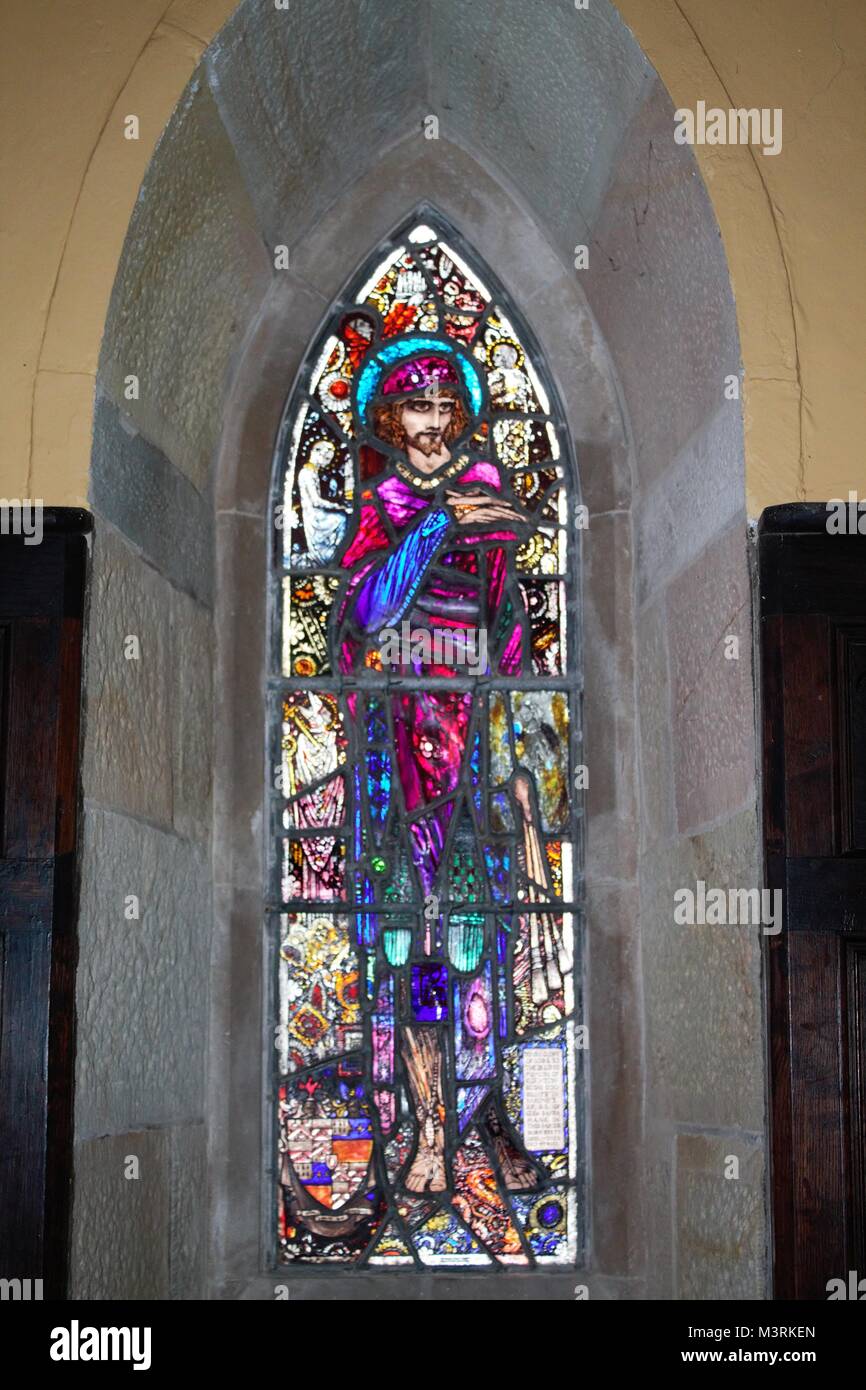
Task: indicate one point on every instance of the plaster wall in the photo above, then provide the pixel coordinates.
(71, 72)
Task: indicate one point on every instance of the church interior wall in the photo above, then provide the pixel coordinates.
(256, 156)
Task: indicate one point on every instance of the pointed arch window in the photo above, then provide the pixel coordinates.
(425, 875)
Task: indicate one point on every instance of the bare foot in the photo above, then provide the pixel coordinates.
(427, 1173)
(518, 1172)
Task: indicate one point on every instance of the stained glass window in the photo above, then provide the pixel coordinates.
(425, 878)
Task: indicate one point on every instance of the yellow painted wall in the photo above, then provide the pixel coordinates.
(792, 224)
(70, 70)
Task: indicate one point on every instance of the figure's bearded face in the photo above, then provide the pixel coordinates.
(425, 421)
(423, 425)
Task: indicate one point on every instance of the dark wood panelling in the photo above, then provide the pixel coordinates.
(41, 608)
(813, 662)
(826, 895)
(856, 1089)
(851, 683)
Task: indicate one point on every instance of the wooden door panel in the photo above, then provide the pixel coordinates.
(32, 733)
(24, 1096)
(856, 1089)
(813, 689)
(851, 685)
(808, 735)
(41, 611)
(817, 1134)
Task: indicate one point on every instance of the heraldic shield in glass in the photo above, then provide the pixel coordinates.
(426, 869)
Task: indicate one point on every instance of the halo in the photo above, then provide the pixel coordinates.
(388, 356)
(505, 341)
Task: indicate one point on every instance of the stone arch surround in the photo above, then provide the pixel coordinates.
(639, 345)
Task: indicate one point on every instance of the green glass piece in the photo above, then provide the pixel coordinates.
(465, 940)
(397, 942)
(503, 627)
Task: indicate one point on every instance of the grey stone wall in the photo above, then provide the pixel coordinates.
(304, 127)
(191, 272)
(142, 981)
(660, 289)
